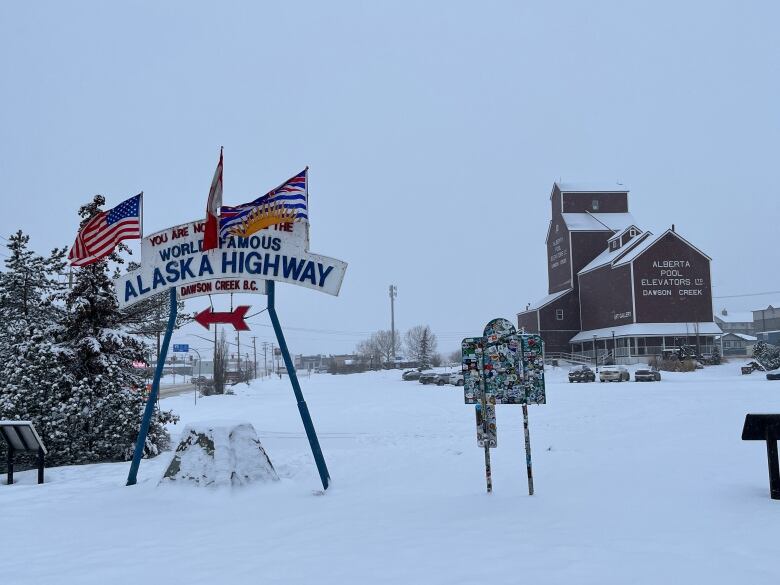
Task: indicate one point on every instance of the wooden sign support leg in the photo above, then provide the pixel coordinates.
(308, 425)
(152, 398)
(528, 451)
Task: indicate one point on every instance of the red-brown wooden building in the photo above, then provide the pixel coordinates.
(614, 289)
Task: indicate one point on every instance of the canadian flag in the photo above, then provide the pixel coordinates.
(211, 233)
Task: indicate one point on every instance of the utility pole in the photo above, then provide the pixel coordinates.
(254, 350)
(265, 358)
(393, 295)
(238, 354)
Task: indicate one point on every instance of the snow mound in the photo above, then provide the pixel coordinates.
(219, 453)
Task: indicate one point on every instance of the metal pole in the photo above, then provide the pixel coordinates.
(200, 360)
(393, 294)
(149, 410)
(41, 464)
(10, 464)
(528, 448)
(302, 408)
(254, 350)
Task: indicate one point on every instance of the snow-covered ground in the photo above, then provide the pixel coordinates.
(636, 483)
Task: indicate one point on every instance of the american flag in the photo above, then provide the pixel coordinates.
(289, 200)
(100, 235)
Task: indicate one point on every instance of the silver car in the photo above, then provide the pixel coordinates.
(456, 379)
(614, 374)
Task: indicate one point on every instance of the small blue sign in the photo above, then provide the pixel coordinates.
(181, 347)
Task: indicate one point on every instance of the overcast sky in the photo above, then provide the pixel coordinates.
(433, 132)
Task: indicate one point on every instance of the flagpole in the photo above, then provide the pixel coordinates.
(141, 211)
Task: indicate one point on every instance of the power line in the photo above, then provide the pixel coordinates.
(761, 294)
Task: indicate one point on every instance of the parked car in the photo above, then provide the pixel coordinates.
(614, 374)
(411, 375)
(582, 374)
(647, 375)
(456, 379)
(442, 379)
(428, 378)
(774, 375)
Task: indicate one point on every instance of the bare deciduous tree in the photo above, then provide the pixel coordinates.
(378, 347)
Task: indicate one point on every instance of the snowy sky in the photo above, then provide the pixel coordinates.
(433, 132)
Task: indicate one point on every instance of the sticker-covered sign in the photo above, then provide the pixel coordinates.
(533, 368)
(471, 355)
(487, 435)
(502, 369)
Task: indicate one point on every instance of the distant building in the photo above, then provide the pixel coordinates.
(736, 344)
(766, 321)
(311, 362)
(735, 321)
(617, 290)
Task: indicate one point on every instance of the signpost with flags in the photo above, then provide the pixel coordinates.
(242, 249)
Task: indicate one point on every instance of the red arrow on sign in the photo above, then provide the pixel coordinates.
(235, 318)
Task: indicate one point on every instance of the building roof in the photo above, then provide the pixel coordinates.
(597, 222)
(608, 256)
(775, 305)
(544, 301)
(648, 330)
(624, 231)
(736, 317)
(571, 187)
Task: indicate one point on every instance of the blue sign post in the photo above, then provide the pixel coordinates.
(152, 398)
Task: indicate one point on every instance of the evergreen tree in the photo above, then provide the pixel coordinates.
(767, 355)
(421, 345)
(31, 293)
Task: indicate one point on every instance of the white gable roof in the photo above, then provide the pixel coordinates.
(544, 301)
(597, 222)
(609, 256)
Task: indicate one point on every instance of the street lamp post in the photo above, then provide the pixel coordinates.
(393, 295)
(199, 373)
(595, 355)
(614, 348)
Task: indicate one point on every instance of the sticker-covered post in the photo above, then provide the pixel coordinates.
(532, 351)
(475, 393)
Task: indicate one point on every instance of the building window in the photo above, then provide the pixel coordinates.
(557, 228)
(595, 205)
(559, 314)
(632, 233)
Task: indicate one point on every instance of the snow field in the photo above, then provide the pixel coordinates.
(635, 483)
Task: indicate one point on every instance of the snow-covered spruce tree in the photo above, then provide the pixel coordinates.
(106, 389)
(37, 387)
(767, 355)
(31, 293)
(32, 378)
